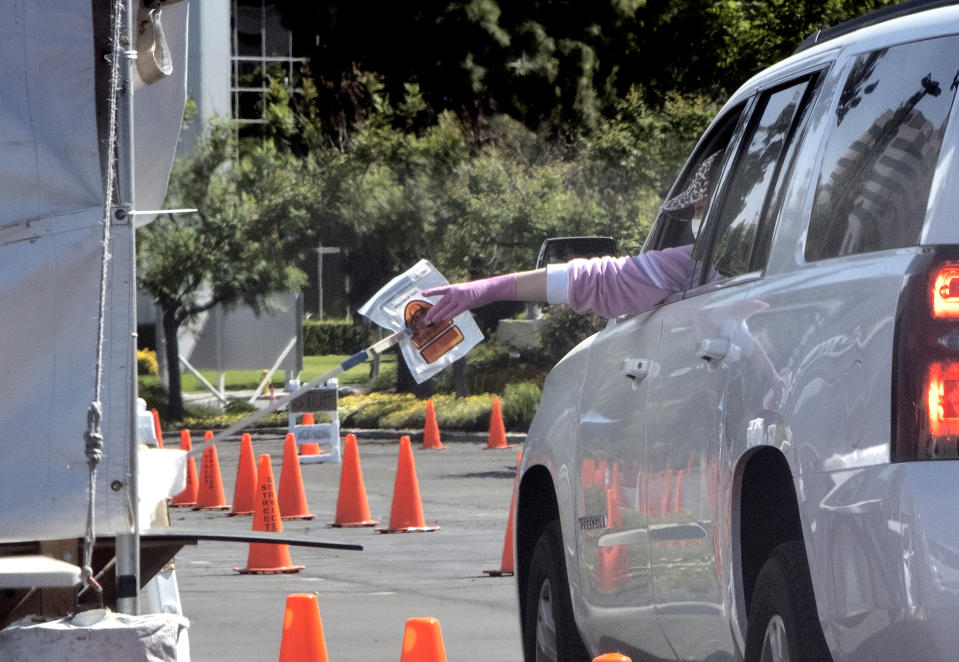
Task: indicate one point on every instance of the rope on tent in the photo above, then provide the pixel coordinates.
(93, 436)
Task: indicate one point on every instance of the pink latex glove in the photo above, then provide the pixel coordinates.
(466, 296)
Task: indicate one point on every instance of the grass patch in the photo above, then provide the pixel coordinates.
(313, 367)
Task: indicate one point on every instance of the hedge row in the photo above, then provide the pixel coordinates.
(384, 411)
(335, 337)
(403, 410)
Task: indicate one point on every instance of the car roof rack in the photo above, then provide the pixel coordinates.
(872, 18)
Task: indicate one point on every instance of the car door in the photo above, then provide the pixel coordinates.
(612, 543)
(613, 497)
(704, 340)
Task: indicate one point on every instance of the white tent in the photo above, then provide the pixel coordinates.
(54, 130)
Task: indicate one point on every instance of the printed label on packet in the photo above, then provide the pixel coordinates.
(400, 304)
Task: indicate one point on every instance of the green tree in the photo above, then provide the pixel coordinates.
(253, 224)
(560, 68)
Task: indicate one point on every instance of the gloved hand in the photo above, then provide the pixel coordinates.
(466, 296)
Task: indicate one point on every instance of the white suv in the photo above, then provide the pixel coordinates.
(763, 467)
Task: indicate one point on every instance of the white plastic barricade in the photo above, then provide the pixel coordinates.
(322, 399)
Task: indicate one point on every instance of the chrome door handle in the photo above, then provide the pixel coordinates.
(635, 369)
(713, 349)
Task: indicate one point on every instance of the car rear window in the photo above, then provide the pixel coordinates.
(881, 154)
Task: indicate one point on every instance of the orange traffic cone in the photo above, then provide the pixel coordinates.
(497, 432)
(156, 427)
(612, 657)
(308, 419)
(352, 508)
(506, 563)
(291, 497)
(431, 431)
(423, 641)
(244, 491)
(302, 630)
(209, 494)
(310, 449)
(267, 558)
(186, 442)
(406, 512)
(188, 496)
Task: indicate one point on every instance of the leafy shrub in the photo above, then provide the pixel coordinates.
(385, 380)
(334, 337)
(564, 329)
(365, 411)
(238, 406)
(470, 413)
(156, 397)
(491, 367)
(404, 411)
(147, 362)
(412, 414)
(206, 418)
(519, 403)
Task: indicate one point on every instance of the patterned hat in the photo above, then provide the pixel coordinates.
(698, 187)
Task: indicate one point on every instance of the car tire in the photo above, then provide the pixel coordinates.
(783, 622)
(549, 629)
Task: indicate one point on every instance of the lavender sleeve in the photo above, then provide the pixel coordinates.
(614, 286)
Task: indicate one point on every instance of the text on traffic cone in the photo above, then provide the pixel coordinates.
(352, 508)
(406, 512)
(303, 639)
(210, 494)
(292, 497)
(267, 557)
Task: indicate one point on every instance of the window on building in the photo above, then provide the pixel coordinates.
(263, 49)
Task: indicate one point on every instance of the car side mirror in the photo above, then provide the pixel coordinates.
(564, 249)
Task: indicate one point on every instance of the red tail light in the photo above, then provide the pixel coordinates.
(926, 368)
(945, 292)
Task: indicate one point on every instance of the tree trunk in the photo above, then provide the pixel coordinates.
(170, 327)
(460, 385)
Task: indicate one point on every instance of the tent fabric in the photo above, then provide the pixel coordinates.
(51, 190)
(48, 146)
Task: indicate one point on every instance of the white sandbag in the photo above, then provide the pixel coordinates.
(98, 634)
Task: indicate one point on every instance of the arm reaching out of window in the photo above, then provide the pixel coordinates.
(609, 286)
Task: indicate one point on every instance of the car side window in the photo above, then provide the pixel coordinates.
(880, 157)
(750, 187)
(683, 212)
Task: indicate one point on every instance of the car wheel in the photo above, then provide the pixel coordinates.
(783, 623)
(549, 630)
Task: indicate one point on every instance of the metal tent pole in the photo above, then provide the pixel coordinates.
(128, 545)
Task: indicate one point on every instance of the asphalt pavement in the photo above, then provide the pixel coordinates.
(365, 597)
